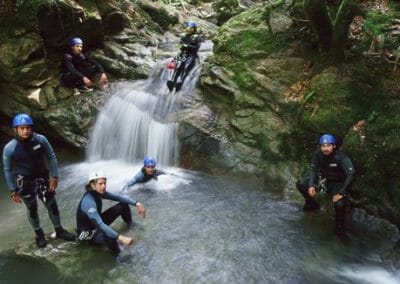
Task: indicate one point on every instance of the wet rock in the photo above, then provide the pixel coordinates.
(225, 9)
(114, 22)
(71, 122)
(58, 22)
(19, 268)
(15, 53)
(159, 14)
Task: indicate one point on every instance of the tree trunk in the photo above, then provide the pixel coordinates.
(320, 20)
(344, 17)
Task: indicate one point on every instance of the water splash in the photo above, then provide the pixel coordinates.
(138, 120)
(127, 129)
(370, 275)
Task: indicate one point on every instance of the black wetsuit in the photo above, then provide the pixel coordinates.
(26, 173)
(75, 67)
(338, 171)
(93, 224)
(190, 46)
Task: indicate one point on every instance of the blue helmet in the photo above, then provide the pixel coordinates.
(149, 162)
(22, 119)
(76, 40)
(327, 139)
(191, 24)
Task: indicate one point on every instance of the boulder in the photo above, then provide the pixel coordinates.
(16, 52)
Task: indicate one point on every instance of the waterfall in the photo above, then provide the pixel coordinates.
(127, 128)
(137, 120)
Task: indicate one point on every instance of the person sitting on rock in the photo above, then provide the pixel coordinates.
(147, 173)
(333, 170)
(78, 70)
(93, 224)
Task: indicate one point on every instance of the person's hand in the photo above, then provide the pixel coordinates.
(53, 183)
(311, 191)
(103, 80)
(87, 82)
(140, 210)
(127, 241)
(337, 197)
(15, 197)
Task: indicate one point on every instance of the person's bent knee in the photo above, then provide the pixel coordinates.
(341, 203)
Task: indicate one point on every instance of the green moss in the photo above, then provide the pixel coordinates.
(159, 16)
(225, 9)
(262, 143)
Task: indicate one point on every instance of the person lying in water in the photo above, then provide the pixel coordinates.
(146, 173)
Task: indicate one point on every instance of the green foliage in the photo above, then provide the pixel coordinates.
(377, 23)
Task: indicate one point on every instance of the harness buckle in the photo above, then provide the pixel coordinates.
(20, 182)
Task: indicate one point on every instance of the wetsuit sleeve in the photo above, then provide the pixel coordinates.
(89, 207)
(193, 43)
(119, 198)
(313, 171)
(7, 164)
(67, 60)
(160, 172)
(139, 177)
(349, 171)
(99, 68)
(50, 155)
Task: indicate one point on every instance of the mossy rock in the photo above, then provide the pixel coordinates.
(15, 52)
(247, 36)
(226, 9)
(333, 104)
(159, 15)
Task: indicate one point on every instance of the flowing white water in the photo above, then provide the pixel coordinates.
(135, 122)
(126, 129)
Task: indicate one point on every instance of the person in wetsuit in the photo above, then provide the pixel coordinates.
(78, 70)
(190, 45)
(93, 224)
(28, 178)
(147, 172)
(335, 169)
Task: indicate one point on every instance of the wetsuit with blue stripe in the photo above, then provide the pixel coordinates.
(93, 225)
(26, 173)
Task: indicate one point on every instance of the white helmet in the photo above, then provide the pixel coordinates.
(96, 175)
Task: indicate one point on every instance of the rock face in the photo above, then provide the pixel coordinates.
(264, 100)
(244, 85)
(119, 34)
(272, 101)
